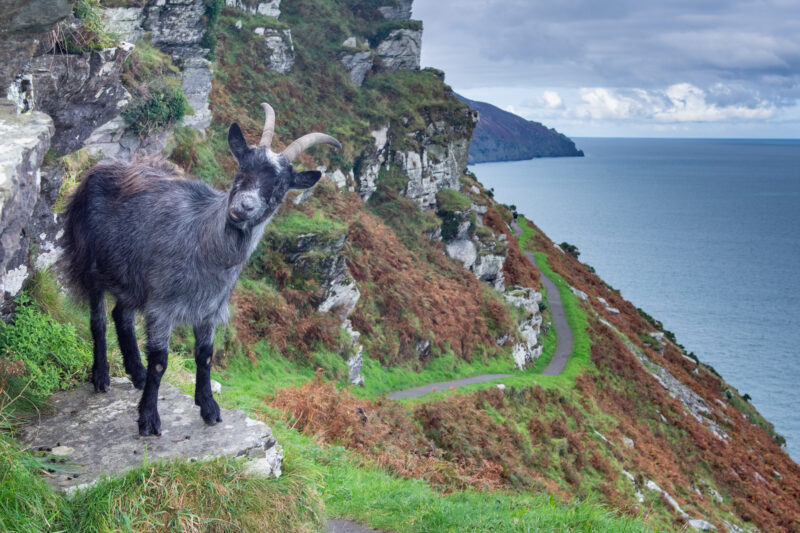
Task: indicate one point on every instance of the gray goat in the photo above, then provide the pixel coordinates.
(173, 249)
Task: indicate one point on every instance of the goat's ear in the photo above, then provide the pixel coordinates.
(236, 142)
(304, 180)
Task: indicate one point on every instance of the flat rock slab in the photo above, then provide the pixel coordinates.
(97, 434)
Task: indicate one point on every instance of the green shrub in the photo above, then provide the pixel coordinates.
(89, 35)
(54, 357)
(452, 200)
(571, 249)
(165, 105)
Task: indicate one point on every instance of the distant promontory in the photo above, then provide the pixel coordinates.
(503, 136)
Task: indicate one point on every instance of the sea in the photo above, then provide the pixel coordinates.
(703, 234)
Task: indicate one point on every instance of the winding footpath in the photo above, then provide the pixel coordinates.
(564, 338)
(564, 343)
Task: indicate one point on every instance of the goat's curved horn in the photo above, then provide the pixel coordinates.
(269, 125)
(307, 141)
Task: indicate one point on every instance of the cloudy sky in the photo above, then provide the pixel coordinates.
(685, 68)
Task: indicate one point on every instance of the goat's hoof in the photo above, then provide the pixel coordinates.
(150, 424)
(139, 379)
(101, 381)
(209, 410)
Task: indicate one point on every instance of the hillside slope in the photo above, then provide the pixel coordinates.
(504, 136)
(397, 270)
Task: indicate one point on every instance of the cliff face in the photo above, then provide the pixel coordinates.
(398, 269)
(503, 136)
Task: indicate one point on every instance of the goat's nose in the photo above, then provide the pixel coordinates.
(248, 204)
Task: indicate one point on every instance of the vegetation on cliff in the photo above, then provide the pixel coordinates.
(578, 451)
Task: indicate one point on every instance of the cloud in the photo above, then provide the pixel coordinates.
(678, 103)
(552, 100)
(742, 57)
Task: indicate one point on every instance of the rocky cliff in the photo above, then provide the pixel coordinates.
(503, 136)
(399, 269)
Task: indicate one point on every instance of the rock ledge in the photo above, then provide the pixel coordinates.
(97, 434)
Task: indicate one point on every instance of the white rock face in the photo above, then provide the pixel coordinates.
(400, 50)
(489, 268)
(429, 175)
(24, 139)
(196, 85)
(463, 250)
(271, 8)
(612, 310)
(126, 22)
(281, 50)
(357, 64)
(579, 293)
(528, 349)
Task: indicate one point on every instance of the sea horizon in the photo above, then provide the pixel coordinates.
(698, 235)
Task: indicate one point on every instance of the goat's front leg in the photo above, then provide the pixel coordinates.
(203, 351)
(158, 332)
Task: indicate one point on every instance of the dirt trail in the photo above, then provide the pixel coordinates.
(564, 337)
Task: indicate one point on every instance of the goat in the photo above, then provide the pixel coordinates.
(173, 249)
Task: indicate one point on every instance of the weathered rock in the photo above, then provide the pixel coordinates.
(23, 25)
(24, 139)
(357, 64)
(489, 268)
(125, 22)
(340, 291)
(612, 310)
(102, 432)
(702, 525)
(463, 250)
(579, 293)
(437, 164)
(270, 8)
(196, 84)
(176, 26)
(369, 163)
(400, 11)
(529, 348)
(400, 50)
(281, 50)
(80, 92)
(114, 140)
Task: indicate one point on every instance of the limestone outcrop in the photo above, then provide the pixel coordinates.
(24, 140)
(528, 349)
(357, 63)
(79, 91)
(96, 434)
(400, 50)
(280, 55)
(270, 8)
(400, 11)
(24, 24)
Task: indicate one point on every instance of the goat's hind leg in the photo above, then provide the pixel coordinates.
(203, 351)
(100, 377)
(124, 320)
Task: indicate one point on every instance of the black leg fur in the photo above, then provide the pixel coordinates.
(203, 351)
(100, 378)
(149, 421)
(124, 319)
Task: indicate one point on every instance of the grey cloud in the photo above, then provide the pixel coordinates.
(738, 52)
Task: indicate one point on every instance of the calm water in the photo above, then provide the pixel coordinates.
(702, 234)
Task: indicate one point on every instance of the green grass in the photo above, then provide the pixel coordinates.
(367, 494)
(216, 495)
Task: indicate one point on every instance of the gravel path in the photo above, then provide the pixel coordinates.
(564, 338)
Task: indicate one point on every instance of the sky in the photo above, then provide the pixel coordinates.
(625, 68)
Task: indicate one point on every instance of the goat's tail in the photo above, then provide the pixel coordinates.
(77, 262)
